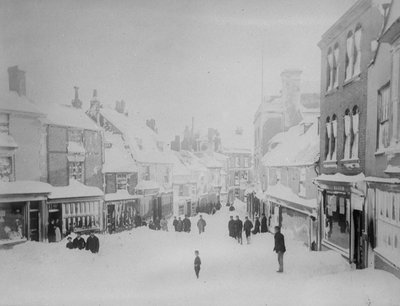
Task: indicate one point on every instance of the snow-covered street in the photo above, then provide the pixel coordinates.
(145, 267)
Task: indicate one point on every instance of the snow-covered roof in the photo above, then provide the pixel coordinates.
(75, 189)
(285, 193)
(179, 168)
(24, 187)
(191, 161)
(339, 177)
(7, 141)
(117, 158)
(209, 160)
(294, 147)
(120, 195)
(143, 141)
(68, 116)
(143, 185)
(382, 180)
(10, 101)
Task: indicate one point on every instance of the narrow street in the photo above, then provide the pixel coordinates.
(145, 267)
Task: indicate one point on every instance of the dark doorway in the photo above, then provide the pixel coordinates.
(358, 251)
(111, 218)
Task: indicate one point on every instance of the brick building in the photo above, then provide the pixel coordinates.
(345, 56)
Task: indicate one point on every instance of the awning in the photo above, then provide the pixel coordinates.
(24, 187)
(120, 195)
(75, 189)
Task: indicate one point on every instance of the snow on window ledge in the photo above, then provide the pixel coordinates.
(354, 78)
(330, 164)
(351, 163)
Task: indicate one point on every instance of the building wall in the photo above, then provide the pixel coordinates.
(93, 143)
(26, 131)
(349, 94)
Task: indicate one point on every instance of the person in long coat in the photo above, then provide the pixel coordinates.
(279, 247)
(231, 227)
(179, 226)
(247, 226)
(57, 231)
(187, 225)
(175, 224)
(92, 243)
(201, 224)
(256, 226)
(51, 231)
(164, 225)
(79, 242)
(238, 229)
(264, 227)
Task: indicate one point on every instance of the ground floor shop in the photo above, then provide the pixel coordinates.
(342, 218)
(383, 221)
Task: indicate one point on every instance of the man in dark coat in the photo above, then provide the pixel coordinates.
(231, 228)
(256, 226)
(247, 226)
(201, 224)
(79, 242)
(138, 220)
(264, 227)
(279, 248)
(157, 224)
(179, 226)
(69, 244)
(186, 225)
(238, 229)
(231, 208)
(51, 231)
(92, 243)
(175, 224)
(197, 263)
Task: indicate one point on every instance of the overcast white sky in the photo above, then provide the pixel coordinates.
(169, 60)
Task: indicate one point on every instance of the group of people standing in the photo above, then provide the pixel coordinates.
(92, 243)
(158, 224)
(185, 225)
(54, 231)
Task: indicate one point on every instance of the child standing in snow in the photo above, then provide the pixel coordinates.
(197, 263)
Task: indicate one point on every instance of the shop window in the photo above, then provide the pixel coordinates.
(76, 171)
(4, 123)
(349, 56)
(122, 181)
(6, 169)
(355, 129)
(337, 220)
(12, 218)
(347, 134)
(383, 117)
(237, 162)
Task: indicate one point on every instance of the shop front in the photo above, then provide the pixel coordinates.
(383, 200)
(342, 216)
(74, 208)
(120, 211)
(21, 209)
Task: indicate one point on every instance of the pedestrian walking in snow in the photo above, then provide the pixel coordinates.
(279, 248)
(264, 227)
(247, 226)
(51, 231)
(201, 224)
(175, 224)
(164, 225)
(197, 263)
(238, 229)
(92, 243)
(256, 226)
(69, 244)
(79, 242)
(57, 231)
(231, 227)
(187, 225)
(179, 226)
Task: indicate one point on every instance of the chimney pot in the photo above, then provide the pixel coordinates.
(16, 79)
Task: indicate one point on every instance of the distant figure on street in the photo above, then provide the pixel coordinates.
(279, 248)
(247, 226)
(57, 231)
(256, 226)
(231, 208)
(231, 227)
(152, 226)
(138, 220)
(197, 263)
(79, 242)
(92, 243)
(264, 227)
(69, 244)
(175, 224)
(187, 225)
(164, 225)
(201, 224)
(179, 225)
(218, 206)
(157, 224)
(51, 231)
(238, 229)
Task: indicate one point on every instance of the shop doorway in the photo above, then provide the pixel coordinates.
(111, 218)
(34, 221)
(55, 222)
(188, 208)
(157, 210)
(358, 251)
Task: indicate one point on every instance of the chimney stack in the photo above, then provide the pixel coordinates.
(120, 106)
(76, 102)
(16, 79)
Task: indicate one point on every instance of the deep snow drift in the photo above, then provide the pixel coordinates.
(145, 267)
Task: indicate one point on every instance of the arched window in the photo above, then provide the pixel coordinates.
(355, 129)
(349, 56)
(357, 50)
(334, 138)
(347, 134)
(329, 70)
(328, 139)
